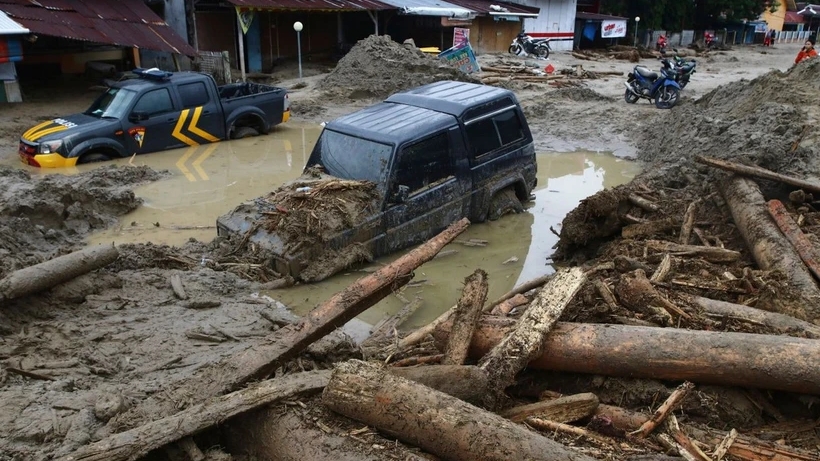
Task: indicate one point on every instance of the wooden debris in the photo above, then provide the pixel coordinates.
(468, 383)
(565, 409)
(758, 172)
(546, 425)
(507, 306)
(780, 323)
(688, 223)
(657, 227)
(388, 325)
(413, 361)
(47, 274)
(724, 445)
(641, 202)
(637, 293)
(520, 289)
(465, 318)
(805, 248)
(606, 293)
(526, 341)
(663, 269)
(672, 402)
(711, 254)
(176, 285)
(433, 421)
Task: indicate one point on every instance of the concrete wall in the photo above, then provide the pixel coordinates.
(556, 20)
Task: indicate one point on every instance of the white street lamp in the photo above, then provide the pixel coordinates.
(297, 26)
(637, 20)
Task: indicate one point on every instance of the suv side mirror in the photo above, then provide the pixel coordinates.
(400, 196)
(137, 117)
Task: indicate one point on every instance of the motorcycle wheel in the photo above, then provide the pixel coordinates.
(630, 97)
(667, 97)
(542, 51)
(515, 49)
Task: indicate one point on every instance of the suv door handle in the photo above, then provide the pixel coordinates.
(206, 112)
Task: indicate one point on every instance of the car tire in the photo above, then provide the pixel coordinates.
(245, 132)
(93, 157)
(504, 202)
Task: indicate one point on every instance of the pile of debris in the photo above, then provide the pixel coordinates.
(503, 72)
(377, 67)
(623, 52)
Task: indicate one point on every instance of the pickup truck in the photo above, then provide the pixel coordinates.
(436, 154)
(155, 111)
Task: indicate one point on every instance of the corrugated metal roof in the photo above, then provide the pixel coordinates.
(595, 16)
(8, 26)
(314, 5)
(122, 23)
(501, 8)
(793, 18)
(430, 8)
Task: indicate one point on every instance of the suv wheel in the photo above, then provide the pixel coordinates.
(504, 201)
(245, 132)
(93, 157)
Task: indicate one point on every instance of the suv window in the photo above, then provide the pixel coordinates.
(488, 134)
(155, 102)
(425, 162)
(193, 94)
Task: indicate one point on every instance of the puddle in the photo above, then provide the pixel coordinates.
(210, 180)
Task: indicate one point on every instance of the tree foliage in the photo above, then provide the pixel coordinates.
(687, 14)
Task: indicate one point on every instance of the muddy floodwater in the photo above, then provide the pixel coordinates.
(210, 180)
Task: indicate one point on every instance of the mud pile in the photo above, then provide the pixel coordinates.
(377, 67)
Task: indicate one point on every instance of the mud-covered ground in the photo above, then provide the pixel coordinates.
(77, 357)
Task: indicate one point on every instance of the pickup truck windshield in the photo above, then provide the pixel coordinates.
(113, 103)
(349, 157)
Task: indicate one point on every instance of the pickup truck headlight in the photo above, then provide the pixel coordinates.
(50, 146)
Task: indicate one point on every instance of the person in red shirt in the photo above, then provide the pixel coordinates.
(806, 52)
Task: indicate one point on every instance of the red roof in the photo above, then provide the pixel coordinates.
(315, 5)
(793, 18)
(122, 23)
(483, 7)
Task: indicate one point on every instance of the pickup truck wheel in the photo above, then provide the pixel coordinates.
(93, 157)
(245, 132)
(505, 201)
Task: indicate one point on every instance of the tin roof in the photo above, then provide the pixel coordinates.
(8, 26)
(431, 8)
(315, 5)
(595, 16)
(793, 18)
(497, 8)
(122, 23)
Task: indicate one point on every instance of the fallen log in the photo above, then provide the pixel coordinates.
(386, 326)
(465, 318)
(468, 383)
(565, 409)
(507, 306)
(732, 359)
(770, 249)
(636, 292)
(711, 254)
(660, 226)
(433, 421)
(521, 289)
(641, 202)
(780, 323)
(688, 223)
(526, 341)
(287, 342)
(758, 172)
(801, 243)
(137, 442)
(47, 274)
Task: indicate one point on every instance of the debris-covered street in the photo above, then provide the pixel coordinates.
(678, 319)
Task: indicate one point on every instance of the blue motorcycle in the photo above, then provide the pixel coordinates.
(661, 87)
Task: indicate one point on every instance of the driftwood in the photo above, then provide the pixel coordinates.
(53, 272)
(137, 442)
(564, 409)
(780, 323)
(547, 425)
(468, 383)
(688, 223)
(433, 421)
(636, 292)
(641, 202)
(289, 341)
(805, 248)
(660, 226)
(711, 254)
(523, 288)
(769, 248)
(758, 172)
(465, 318)
(672, 402)
(507, 306)
(732, 359)
(526, 341)
(390, 323)
(176, 285)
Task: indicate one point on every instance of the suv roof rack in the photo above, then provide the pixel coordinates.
(153, 74)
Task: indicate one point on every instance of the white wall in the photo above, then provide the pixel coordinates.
(556, 20)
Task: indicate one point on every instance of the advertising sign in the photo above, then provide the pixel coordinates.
(460, 36)
(613, 28)
(461, 57)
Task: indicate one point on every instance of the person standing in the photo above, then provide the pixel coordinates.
(806, 52)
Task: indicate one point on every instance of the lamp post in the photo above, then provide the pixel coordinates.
(297, 26)
(637, 20)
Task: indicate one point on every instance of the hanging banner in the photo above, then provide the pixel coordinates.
(613, 28)
(245, 18)
(460, 36)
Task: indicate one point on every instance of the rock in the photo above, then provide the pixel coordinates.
(109, 405)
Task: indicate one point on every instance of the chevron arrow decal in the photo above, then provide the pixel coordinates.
(192, 128)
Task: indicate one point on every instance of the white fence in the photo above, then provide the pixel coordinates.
(792, 36)
(683, 39)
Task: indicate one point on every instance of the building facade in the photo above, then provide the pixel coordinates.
(555, 20)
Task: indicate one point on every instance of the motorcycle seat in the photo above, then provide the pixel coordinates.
(688, 66)
(646, 73)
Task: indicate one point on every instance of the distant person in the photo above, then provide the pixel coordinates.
(806, 52)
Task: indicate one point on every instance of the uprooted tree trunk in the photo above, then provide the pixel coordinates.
(55, 271)
(465, 318)
(770, 248)
(734, 359)
(289, 341)
(433, 421)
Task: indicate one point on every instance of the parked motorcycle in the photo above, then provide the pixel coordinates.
(523, 43)
(661, 87)
(684, 68)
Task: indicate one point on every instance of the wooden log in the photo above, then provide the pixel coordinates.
(526, 341)
(468, 383)
(433, 421)
(520, 289)
(711, 254)
(770, 249)
(688, 223)
(389, 324)
(801, 243)
(507, 306)
(758, 172)
(565, 409)
(663, 269)
(289, 341)
(418, 360)
(670, 404)
(660, 226)
(47, 274)
(708, 357)
(780, 323)
(547, 425)
(636, 292)
(465, 318)
(137, 442)
(641, 202)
